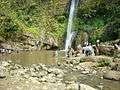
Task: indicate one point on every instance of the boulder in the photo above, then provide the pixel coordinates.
(106, 50)
(72, 86)
(86, 87)
(112, 75)
(42, 73)
(49, 43)
(115, 67)
(3, 72)
(5, 64)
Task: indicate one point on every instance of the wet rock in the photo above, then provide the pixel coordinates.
(43, 79)
(85, 87)
(3, 72)
(94, 72)
(100, 86)
(51, 79)
(33, 74)
(72, 86)
(59, 64)
(4, 63)
(34, 80)
(42, 73)
(112, 75)
(37, 67)
(59, 76)
(32, 69)
(21, 71)
(26, 76)
(85, 72)
(15, 66)
(44, 67)
(55, 71)
(115, 67)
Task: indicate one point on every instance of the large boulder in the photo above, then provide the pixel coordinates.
(112, 75)
(49, 43)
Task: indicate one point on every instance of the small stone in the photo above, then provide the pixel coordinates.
(85, 72)
(2, 76)
(4, 63)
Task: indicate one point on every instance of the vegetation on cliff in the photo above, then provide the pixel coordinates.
(46, 18)
(42, 18)
(100, 19)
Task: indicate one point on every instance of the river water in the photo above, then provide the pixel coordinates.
(27, 58)
(50, 58)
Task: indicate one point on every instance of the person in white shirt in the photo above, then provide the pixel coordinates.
(88, 50)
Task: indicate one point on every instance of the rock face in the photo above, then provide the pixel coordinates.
(112, 75)
(49, 43)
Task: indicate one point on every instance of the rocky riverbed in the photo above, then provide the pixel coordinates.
(56, 77)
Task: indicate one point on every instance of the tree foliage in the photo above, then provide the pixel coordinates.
(35, 16)
(100, 18)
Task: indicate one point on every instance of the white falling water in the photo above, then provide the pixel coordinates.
(70, 33)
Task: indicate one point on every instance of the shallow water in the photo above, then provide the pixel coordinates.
(29, 58)
(51, 58)
(93, 81)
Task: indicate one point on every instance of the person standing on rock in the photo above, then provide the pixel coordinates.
(96, 47)
(118, 45)
(70, 52)
(88, 50)
(37, 44)
(78, 50)
(83, 47)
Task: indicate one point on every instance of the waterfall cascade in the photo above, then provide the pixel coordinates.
(70, 32)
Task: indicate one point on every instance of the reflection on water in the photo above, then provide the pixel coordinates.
(34, 57)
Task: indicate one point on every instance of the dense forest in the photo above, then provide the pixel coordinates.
(42, 19)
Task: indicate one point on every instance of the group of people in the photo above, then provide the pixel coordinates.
(87, 49)
(90, 50)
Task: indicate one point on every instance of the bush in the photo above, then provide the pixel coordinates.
(103, 63)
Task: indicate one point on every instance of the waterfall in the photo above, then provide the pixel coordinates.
(70, 32)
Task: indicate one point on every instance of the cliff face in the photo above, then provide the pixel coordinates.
(37, 19)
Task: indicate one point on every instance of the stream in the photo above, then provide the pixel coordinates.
(49, 58)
